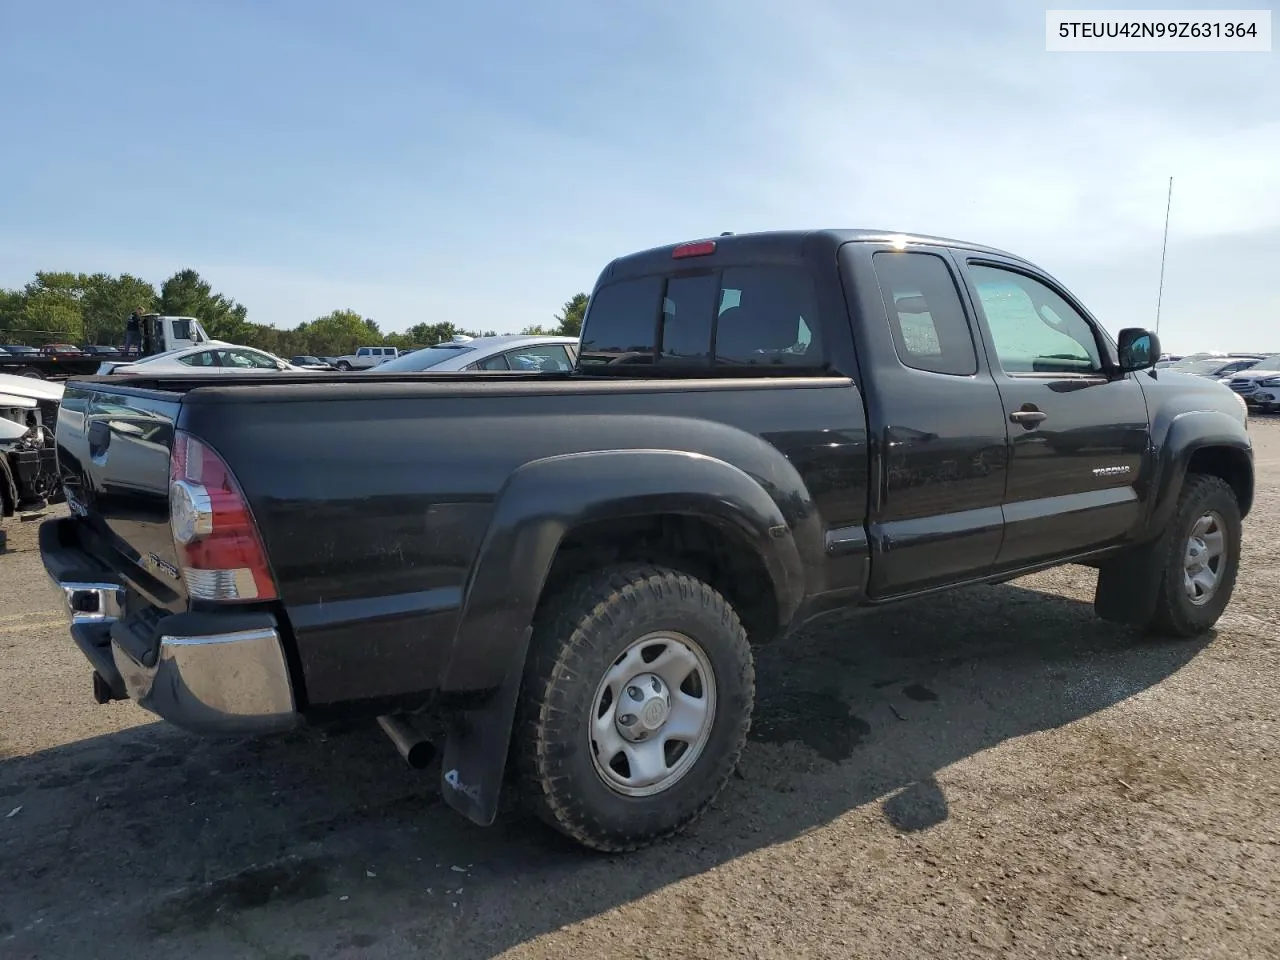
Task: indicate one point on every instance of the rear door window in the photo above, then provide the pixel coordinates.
(926, 318)
(539, 358)
(204, 358)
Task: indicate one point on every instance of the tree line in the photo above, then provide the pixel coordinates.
(81, 308)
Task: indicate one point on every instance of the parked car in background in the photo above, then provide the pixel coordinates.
(213, 358)
(311, 363)
(1259, 385)
(366, 357)
(1215, 368)
(100, 350)
(61, 350)
(28, 461)
(517, 352)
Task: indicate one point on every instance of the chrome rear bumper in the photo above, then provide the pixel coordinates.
(92, 602)
(208, 681)
(234, 682)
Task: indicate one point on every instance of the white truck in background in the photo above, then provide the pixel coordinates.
(366, 358)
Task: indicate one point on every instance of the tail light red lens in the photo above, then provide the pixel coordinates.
(219, 548)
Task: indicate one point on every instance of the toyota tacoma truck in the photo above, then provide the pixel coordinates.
(566, 573)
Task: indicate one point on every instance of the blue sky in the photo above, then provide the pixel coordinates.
(480, 163)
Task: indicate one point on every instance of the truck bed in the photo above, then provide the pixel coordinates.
(373, 492)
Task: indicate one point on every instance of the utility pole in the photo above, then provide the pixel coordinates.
(1164, 248)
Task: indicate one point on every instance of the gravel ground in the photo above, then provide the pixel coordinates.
(991, 773)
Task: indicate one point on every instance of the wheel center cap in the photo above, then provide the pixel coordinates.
(643, 707)
(654, 714)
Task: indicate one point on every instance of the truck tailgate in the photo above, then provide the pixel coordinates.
(113, 456)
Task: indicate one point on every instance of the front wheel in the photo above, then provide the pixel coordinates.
(1201, 560)
(636, 702)
(344, 366)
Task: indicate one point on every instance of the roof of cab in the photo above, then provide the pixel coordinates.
(783, 245)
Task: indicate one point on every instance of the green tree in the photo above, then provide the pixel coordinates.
(11, 304)
(49, 316)
(49, 308)
(569, 319)
(107, 303)
(429, 334)
(187, 294)
(337, 334)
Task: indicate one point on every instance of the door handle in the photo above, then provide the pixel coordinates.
(1028, 418)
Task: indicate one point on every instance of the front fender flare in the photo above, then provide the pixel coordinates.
(1186, 434)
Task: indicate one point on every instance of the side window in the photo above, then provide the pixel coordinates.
(498, 362)
(182, 329)
(363, 352)
(1034, 330)
(930, 330)
(767, 315)
(622, 321)
(687, 312)
(547, 357)
(246, 360)
(259, 361)
(204, 358)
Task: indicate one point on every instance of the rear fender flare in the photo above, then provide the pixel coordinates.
(545, 499)
(537, 505)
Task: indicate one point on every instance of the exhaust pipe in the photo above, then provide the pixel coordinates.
(416, 749)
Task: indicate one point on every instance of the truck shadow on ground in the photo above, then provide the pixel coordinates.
(324, 844)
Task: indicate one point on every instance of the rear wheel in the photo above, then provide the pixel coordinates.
(636, 703)
(344, 366)
(1201, 560)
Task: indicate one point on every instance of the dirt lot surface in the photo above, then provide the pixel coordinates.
(992, 773)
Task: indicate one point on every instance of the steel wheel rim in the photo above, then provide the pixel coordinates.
(1204, 558)
(671, 739)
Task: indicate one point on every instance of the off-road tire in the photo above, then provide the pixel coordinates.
(1175, 615)
(577, 636)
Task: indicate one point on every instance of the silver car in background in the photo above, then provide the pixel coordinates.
(1258, 386)
(520, 352)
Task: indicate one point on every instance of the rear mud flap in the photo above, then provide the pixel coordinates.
(475, 750)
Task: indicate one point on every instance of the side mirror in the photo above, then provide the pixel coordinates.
(1138, 349)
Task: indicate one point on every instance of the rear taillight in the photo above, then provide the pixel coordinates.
(219, 549)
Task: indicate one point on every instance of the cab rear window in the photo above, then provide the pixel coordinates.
(747, 316)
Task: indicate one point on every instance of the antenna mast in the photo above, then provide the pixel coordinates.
(1163, 250)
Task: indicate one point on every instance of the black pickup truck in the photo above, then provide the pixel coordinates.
(567, 572)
